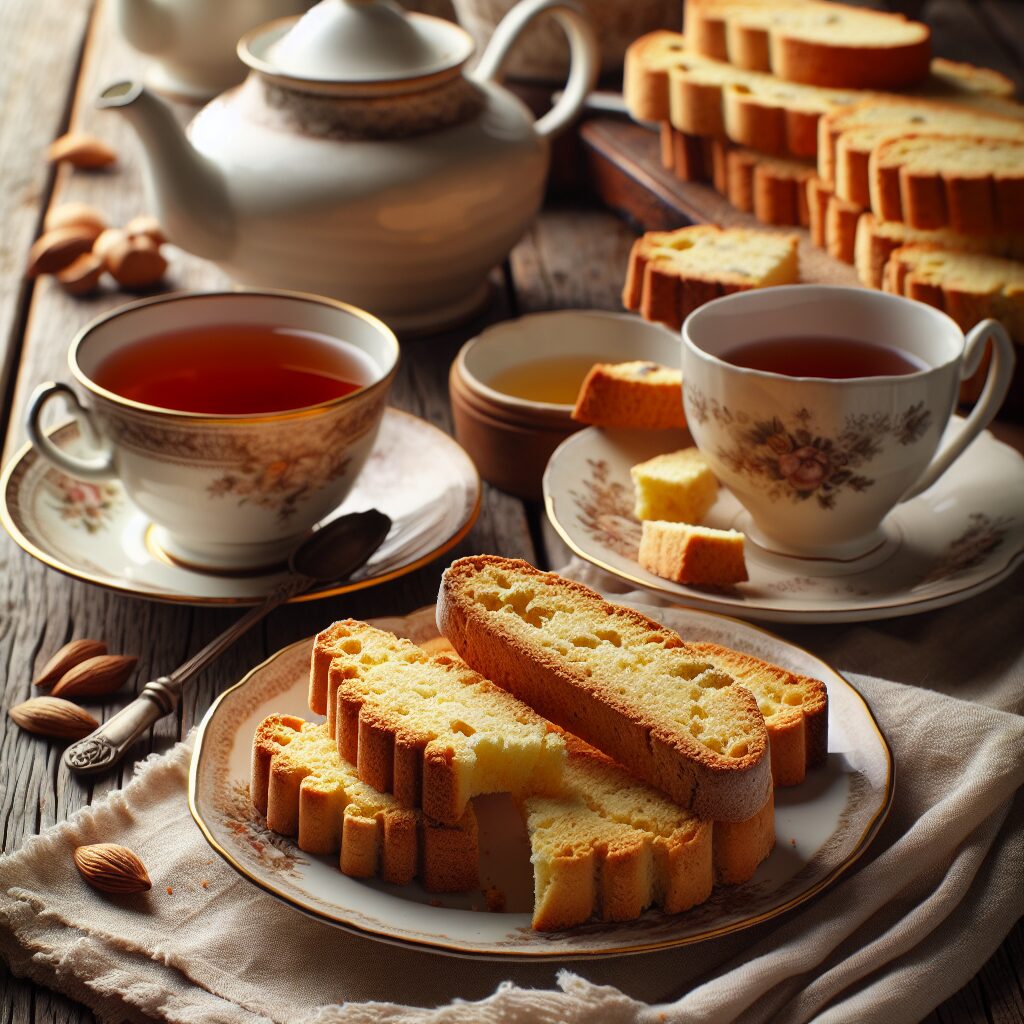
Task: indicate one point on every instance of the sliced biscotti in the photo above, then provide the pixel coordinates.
(306, 790)
(675, 486)
(970, 287)
(795, 710)
(970, 184)
(427, 729)
(635, 395)
(614, 677)
(876, 240)
(671, 273)
(847, 137)
(692, 554)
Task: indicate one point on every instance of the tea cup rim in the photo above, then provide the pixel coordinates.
(232, 418)
(823, 291)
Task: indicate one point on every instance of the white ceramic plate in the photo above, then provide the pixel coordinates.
(962, 536)
(822, 826)
(416, 474)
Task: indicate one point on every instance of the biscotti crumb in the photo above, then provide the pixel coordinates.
(685, 553)
(636, 395)
(205, 884)
(678, 487)
(170, 890)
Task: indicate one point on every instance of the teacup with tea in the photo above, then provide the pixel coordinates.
(822, 408)
(235, 421)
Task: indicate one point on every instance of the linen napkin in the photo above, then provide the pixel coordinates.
(937, 892)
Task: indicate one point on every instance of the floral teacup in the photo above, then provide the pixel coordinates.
(818, 463)
(226, 491)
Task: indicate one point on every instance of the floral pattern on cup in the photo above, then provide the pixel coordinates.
(89, 505)
(796, 460)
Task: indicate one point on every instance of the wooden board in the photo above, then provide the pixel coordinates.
(625, 170)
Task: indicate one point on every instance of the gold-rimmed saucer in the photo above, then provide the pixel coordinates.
(416, 474)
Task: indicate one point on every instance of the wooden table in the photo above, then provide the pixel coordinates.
(57, 55)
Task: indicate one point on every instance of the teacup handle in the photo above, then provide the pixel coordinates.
(997, 384)
(99, 468)
(584, 53)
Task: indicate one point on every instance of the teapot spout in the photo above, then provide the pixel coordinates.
(188, 193)
(146, 24)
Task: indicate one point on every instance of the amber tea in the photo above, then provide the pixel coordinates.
(831, 358)
(234, 369)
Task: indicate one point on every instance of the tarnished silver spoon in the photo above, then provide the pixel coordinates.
(329, 555)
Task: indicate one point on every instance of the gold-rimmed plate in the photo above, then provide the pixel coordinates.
(822, 826)
(416, 474)
(957, 539)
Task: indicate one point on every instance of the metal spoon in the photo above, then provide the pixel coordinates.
(329, 555)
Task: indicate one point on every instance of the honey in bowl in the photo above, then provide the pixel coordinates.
(555, 381)
(829, 358)
(234, 370)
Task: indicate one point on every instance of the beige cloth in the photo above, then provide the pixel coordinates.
(936, 894)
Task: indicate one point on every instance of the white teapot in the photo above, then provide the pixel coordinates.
(359, 160)
(194, 41)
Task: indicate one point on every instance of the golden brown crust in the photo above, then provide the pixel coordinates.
(610, 398)
(795, 709)
(693, 555)
(739, 847)
(661, 753)
(301, 787)
(841, 218)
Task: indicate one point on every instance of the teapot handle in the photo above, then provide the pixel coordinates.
(584, 53)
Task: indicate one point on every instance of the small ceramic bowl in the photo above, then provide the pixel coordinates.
(511, 439)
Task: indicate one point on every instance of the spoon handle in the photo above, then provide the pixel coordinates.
(106, 745)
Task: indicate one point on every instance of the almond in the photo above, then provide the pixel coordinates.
(82, 277)
(81, 150)
(56, 249)
(146, 225)
(112, 868)
(136, 262)
(53, 717)
(95, 677)
(70, 655)
(75, 215)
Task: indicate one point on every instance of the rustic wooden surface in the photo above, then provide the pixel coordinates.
(573, 256)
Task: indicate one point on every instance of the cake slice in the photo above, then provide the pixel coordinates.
(634, 395)
(672, 273)
(427, 729)
(306, 790)
(795, 709)
(676, 486)
(970, 184)
(687, 553)
(970, 287)
(614, 677)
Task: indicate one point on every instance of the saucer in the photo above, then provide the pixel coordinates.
(960, 537)
(416, 474)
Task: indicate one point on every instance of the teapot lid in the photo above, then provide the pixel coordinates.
(360, 46)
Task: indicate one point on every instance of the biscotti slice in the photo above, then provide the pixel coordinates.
(427, 729)
(671, 273)
(635, 395)
(847, 137)
(830, 45)
(878, 239)
(686, 553)
(795, 710)
(614, 677)
(970, 287)
(974, 185)
(676, 486)
(306, 790)
(773, 189)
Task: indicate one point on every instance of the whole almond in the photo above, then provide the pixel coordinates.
(82, 150)
(56, 249)
(147, 225)
(107, 240)
(70, 655)
(53, 717)
(95, 677)
(75, 215)
(82, 277)
(112, 868)
(136, 262)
